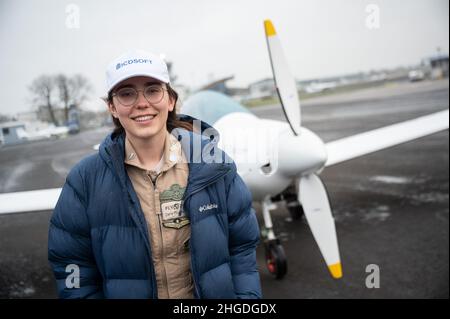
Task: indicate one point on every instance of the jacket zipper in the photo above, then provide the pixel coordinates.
(194, 272)
(154, 286)
(161, 236)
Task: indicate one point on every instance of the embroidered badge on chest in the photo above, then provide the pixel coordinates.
(172, 212)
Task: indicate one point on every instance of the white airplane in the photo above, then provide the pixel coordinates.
(317, 87)
(276, 155)
(50, 132)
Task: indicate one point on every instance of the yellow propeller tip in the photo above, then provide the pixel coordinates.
(336, 270)
(268, 26)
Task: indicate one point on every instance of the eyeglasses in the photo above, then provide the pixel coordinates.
(128, 96)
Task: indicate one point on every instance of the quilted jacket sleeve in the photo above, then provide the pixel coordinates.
(243, 239)
(69, 244)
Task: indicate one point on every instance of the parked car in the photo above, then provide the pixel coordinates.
(416, 75)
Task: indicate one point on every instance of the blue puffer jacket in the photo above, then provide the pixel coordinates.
(98, 225)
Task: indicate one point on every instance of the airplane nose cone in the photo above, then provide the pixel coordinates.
(300, 154)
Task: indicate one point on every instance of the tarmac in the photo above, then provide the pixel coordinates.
(391, 207)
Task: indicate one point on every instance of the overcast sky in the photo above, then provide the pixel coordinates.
(210, 39)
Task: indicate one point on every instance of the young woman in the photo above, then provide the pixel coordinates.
(148, 217)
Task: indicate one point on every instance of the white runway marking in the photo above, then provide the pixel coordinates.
(14, 176)
(391, 179)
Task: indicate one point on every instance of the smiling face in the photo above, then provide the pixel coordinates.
(142, 120)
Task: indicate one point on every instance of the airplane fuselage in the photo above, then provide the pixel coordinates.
(267, 153)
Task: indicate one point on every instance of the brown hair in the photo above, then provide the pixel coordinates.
(173, 120)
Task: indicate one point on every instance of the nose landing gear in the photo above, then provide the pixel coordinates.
(275, 257)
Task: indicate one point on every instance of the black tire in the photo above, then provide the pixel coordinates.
(295, 209)
(276, 260)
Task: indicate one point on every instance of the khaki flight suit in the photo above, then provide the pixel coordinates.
(160, 192)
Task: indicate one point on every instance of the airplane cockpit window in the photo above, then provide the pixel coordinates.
(210, 106)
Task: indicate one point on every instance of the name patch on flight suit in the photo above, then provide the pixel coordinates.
(173, 215)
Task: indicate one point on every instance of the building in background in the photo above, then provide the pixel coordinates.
(437, 66)
(31, 121)
(11, 133)
(218, 85)
(262, 89)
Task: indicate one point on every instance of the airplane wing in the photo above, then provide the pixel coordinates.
(338, 151)
(368, 142)
(29, 201)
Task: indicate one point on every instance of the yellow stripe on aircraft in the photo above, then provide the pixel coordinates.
(270, 30)
(336, 270)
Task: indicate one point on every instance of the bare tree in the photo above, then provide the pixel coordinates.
(72, 91)
(81, 88)
(4, 118)
(51, 92)
(64, 96)
(43, 91)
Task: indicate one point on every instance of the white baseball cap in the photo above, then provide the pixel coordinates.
(136, 63)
